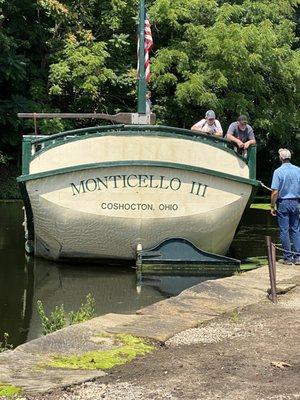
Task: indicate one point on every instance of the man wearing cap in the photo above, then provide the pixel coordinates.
(240, 133)
(285, 196)
(209, 125)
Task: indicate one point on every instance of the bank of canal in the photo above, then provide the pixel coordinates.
(24, 280)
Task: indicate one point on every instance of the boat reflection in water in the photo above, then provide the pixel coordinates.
(25, 279)
(16, 276)
(113, 287)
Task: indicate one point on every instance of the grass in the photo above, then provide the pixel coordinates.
(253, 262)
(261, 206)
(130, 348)
(9, 390)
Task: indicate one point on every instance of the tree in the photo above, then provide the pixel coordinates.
(238, 56)
(235, 57)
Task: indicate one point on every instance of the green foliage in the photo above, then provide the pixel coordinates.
(241, 59)
(86, 311)
(233, 56)
(3, 158)
(5, 345)
(9, 188)
(58, 318)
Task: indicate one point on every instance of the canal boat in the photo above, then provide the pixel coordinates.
(100, 192)
(110, 192)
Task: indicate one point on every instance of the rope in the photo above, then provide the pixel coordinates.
(265, 187)
(286, 251)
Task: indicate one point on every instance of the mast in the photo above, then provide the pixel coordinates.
(142, 85)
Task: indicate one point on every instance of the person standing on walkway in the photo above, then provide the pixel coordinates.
(286, 196)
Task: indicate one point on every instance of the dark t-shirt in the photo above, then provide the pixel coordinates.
(244, 136)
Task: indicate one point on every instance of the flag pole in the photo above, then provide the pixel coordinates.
(142, 86)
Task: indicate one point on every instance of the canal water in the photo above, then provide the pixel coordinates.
(24, 280)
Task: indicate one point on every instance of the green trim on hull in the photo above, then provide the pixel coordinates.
(145, 163)
(26, 154)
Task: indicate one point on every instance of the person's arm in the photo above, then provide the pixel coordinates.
(275, 185)
(249, 143)
(231, 138)
(219, 130)
(274, 197)
(197, 127)
(251, 139)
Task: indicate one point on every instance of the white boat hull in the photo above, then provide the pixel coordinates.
(128, 191)
(110, 223)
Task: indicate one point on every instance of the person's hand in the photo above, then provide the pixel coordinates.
(240, 144)
(246, 145)
(273, 212)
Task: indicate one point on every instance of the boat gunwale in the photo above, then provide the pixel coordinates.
(146, 163)
(135, 130)
(120, 127)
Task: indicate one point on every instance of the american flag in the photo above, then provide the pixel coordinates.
(148, 48)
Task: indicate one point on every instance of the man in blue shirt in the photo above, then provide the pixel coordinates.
(286, 195)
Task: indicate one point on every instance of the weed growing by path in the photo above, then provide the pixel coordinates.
(58, 318)
(235, 317)
(5, 345)
(55, 321)
(85, 312)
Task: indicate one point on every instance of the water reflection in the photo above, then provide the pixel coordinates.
(25, 280)
(114, 289)
(250, 238)
(15, 277)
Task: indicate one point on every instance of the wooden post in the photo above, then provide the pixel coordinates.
(271, 265)
(274, 262)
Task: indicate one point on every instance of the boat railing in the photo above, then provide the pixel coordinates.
(38, 143)
(41, 141)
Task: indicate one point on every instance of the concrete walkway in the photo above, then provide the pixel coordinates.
(25, 367)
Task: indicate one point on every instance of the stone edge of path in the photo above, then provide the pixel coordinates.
(157, 322)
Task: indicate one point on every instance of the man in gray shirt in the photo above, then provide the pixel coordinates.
(240, 133)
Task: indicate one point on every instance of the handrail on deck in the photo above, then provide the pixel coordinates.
(122, 127)
(37, 144)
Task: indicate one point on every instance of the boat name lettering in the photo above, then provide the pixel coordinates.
(135, 181)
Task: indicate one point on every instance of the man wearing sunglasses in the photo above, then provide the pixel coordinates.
(241, 134)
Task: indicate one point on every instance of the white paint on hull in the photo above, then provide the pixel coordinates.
(70, 224)
(151, 148)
